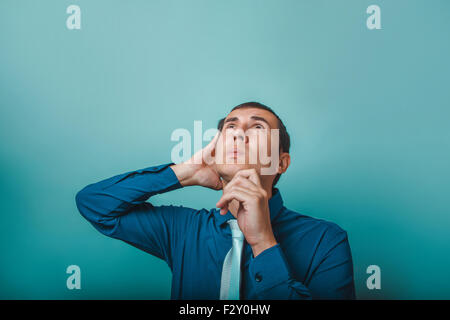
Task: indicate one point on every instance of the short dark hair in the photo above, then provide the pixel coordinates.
(285, 140)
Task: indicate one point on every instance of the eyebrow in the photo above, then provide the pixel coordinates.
(252, 117)
(231, 119)
(260, 119)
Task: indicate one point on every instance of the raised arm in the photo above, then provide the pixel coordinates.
(117, 206)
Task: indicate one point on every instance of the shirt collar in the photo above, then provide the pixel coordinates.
(275, 205)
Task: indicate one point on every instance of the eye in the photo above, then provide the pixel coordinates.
(230, 126)
(259, 126)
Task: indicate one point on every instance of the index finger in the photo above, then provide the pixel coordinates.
(211, 145)
(207, 151)
(249, 174)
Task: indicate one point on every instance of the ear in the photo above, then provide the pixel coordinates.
(284, 162)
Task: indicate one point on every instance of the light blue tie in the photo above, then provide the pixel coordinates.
(231, 271)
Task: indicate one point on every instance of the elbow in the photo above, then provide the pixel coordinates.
(80, 198)
(81, 202)
(87, 202)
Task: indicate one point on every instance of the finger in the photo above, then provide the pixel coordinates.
(207, 152)
(242, 181)
(212, 144)
(250, 194)
(238, 193)
(224, 209)
(256, 193)
(249, 174)
(227, 198)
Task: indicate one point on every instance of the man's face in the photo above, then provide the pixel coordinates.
(245, 142)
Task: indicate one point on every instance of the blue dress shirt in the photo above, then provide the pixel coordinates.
(312, 259)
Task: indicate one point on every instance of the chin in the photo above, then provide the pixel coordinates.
(227, 171)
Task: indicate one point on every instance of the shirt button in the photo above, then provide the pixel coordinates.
(258, 277)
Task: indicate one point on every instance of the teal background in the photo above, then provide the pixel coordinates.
(367, 111)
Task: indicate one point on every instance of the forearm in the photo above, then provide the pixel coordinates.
(184, 173)
(264, 245)
(117, 208)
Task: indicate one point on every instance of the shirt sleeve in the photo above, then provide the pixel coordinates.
(332, 279)
(117, 208)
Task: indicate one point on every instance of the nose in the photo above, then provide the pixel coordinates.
(240, 135)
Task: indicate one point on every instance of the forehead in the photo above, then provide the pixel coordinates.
(245, 114)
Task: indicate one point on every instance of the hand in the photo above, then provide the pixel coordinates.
(253, 214)
(200, 169)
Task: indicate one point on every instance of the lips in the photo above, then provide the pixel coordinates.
(235, 154)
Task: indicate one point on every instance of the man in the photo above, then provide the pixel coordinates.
(250, 246)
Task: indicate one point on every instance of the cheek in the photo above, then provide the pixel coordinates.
(264, 143)
(268, 143)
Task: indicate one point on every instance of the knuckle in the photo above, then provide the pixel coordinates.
(239, 179)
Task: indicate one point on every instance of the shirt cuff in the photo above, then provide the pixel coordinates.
(269, 269)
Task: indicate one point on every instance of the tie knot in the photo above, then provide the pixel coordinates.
(235, 231)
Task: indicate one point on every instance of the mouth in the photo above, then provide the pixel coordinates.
(235, 154)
